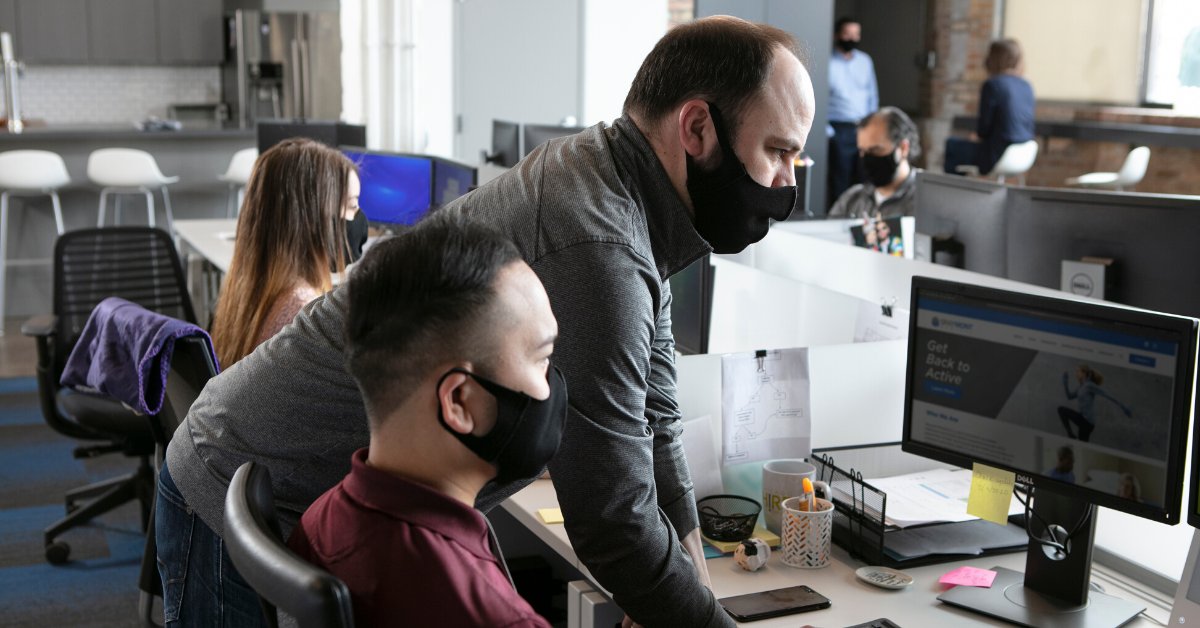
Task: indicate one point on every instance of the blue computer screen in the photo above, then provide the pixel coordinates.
(395, 188)
(450, 181)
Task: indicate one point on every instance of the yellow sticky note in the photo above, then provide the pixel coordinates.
(991, 492)
(550, 515)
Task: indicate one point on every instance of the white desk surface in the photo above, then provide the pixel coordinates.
(854, 601)
(212, 239)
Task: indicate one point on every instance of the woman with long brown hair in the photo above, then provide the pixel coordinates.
(290, 234)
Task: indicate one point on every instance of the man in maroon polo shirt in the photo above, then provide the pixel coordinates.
(449, 335)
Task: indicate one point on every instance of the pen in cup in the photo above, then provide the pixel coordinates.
(807, 503)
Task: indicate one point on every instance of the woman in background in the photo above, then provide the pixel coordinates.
(290, 234)
(1006, 106)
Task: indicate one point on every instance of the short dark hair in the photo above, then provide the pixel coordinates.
(842, 22)
(723, 60)
(900, 127)
(1003, 55)
(419, 299)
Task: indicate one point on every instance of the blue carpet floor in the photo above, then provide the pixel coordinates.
(98, 587)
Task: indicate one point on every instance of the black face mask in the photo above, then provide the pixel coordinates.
(732, 210)
(880, 170)
(527, 431)
(847, 45)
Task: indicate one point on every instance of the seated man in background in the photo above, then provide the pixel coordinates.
(887, 141)
(448, 336)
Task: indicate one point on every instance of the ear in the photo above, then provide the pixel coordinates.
(904, 146)
(451, 392)
(697, 135)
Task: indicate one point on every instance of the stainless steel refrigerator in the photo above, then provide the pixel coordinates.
(282, 65)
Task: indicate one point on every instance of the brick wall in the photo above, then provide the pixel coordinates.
(959, 32)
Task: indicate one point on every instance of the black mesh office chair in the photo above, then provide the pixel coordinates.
(192, 365)
(138, 264)
(282, 579)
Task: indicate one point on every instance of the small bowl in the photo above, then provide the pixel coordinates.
(728, 517)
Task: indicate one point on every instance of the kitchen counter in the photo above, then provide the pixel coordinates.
(119, 133)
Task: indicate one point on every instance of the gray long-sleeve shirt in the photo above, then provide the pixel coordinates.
(597, 219)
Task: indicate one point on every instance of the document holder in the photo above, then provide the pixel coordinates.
(859, 524)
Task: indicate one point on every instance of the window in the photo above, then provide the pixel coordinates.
(1173, 53)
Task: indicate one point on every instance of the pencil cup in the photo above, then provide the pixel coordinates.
(807, 534)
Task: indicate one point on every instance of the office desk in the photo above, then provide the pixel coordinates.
(853, 601)
(207, 248)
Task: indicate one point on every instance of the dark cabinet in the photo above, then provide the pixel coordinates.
(122, 31)
(115, 32)
(190, 32)
(54, 31)
(8, 16)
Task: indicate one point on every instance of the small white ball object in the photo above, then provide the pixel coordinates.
(752, 554)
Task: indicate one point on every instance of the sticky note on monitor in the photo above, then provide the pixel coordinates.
(550, 515)
(991, 493)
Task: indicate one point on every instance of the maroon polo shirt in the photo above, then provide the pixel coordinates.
(409, 554)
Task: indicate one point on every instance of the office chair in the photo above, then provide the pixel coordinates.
(139, 264)
(192, 365)
(282, 579)
(1132, 171)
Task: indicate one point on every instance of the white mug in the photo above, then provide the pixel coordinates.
(783, 479)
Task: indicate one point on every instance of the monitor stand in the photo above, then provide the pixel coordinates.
(1053, 591)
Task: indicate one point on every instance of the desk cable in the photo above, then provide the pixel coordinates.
(1064, 545)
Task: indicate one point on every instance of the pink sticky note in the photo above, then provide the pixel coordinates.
(969, 576)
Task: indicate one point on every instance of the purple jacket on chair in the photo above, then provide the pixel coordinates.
(125, 352)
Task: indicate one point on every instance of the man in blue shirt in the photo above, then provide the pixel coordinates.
(853, 94)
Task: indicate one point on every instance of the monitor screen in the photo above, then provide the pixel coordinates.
(691, 306)
(1082, 399)
(395, 188)
(451, 180)
(538, 134)
(506, 143)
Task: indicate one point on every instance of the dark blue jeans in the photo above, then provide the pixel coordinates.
(960, 151)
(200, 586)
(843, 160)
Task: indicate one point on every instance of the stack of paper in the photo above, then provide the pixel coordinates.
(936, 496)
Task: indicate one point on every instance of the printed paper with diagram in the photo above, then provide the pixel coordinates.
(765, 406)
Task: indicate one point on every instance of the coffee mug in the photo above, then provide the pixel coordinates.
(783, 479)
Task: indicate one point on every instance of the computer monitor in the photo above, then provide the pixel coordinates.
(691, 306)
(451, 179)
(966, 219)
(1150, 239)
(538, 134)
(506, 144)
(396, 188)
(1088, 403)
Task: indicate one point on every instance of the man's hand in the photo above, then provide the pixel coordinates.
(695, 548)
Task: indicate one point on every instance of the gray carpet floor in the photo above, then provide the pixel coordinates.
(98, 587)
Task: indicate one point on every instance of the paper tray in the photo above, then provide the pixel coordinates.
(858, 526)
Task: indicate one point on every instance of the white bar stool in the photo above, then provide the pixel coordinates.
(27, 173)
(129, 171)
(237, 176)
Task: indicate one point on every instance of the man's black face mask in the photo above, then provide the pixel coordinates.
(732, 210)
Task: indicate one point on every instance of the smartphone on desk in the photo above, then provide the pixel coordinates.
(777, 603)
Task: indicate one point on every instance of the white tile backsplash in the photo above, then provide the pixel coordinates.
(113, 94)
